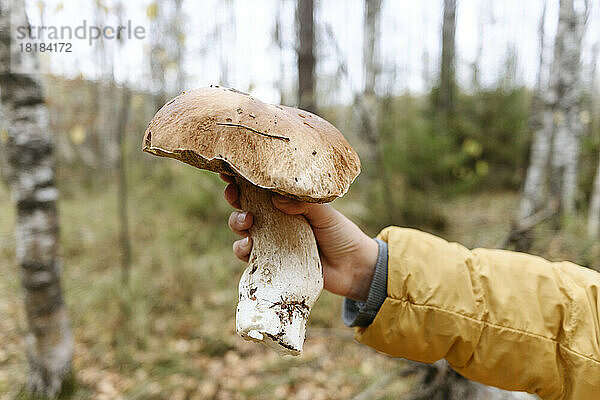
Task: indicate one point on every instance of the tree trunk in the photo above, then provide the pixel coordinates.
(540, 123)
(3, 140)
(541, 59)
(121, 126)
(370, 48)
(368, 108)
(106, 149)
(476, 66)
(594, 214)
(30, 157)
(305, 53)
(225, 34)
(567, 122)
(179, 49)
(279, 83)
(445, 99)
(158, 54)
(557, 125)
(367, 103)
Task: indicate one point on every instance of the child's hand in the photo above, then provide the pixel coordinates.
(347, 254)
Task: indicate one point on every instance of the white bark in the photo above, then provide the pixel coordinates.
(277, 38)
(567, 122)
(541, 58)
(594, 211)
(29, 151)
(594, 214)
(534, 190)
(558, 128)
(3, 140)
(283, 279)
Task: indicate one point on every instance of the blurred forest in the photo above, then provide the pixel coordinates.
(476, 153)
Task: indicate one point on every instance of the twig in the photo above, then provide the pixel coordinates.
(527, 224)
(254, 130)
(535, 219)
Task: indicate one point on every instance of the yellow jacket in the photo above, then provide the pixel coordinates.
(502, 318)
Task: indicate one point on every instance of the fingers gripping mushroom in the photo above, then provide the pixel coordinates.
(268, 148)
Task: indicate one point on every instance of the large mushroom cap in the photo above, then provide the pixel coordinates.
(283, 149)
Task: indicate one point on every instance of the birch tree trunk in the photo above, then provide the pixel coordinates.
(568, 125)
(29, 151)
(540, 123)
(370, 48)
(179, 36)
(3, 140)
(306, 57)
(445, 99)
(277, 33)
(557, 137)
(594, 214)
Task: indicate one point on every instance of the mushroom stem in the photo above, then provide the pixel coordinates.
(283, 278)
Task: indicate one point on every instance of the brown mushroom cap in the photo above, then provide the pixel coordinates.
(283, 149)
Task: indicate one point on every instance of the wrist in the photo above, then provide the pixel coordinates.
(363, 313)
(364, 269)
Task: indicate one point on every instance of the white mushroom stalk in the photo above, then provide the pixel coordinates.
(283, 279)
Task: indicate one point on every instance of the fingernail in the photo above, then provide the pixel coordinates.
(245, 242)
(241, 217)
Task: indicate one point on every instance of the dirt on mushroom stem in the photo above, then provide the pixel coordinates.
(284, 277)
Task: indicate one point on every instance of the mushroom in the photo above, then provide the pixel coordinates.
(267, 148)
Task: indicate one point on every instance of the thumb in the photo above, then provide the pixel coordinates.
(289, 206)
(318, 215)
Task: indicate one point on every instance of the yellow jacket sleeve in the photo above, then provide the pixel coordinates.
(502, 318)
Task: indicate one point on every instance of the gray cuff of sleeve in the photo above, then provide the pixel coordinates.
(362, 313)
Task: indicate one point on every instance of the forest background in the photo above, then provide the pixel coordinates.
(475, 120)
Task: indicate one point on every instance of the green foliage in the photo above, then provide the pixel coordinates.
(424, 157)
(412, 145)
(497, 122)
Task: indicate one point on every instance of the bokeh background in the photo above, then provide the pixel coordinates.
(449, 104)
